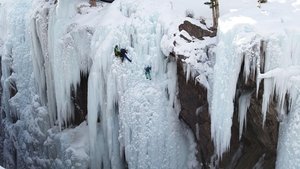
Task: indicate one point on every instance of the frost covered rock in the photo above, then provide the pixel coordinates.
(196, 30)
(194, 112)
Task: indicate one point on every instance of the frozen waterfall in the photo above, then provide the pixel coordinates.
(131, 121)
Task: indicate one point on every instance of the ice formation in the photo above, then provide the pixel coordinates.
(130, 119)
(281, 80)
(124, 100)
(271, 57)
(244, 103)
(45, 47)
(229, 56)
(19, 103)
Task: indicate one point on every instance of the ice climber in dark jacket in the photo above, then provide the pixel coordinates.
(122, 53)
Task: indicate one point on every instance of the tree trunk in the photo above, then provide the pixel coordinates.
(93, 2)
(215, 13)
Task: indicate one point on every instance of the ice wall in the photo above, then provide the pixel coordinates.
(25, 119)
(22, 118)
(40, 55)
(61, 51)
(288, 147)
(131, 121)
(68, 54)
(137, 116)
(66, 42)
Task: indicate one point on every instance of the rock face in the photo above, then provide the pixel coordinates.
(194, 112)
(79, 99)
(195, 30)
(258, 144)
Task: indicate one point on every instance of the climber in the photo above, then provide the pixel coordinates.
(147, 72)
(260, 2)
(121, 53)
(117, 51)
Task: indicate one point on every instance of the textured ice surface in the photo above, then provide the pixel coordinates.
(130, 118)
(45, 47)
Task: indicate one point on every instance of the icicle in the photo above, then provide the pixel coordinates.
(41, 63)
(93, 108)
(251, 54)
(268, 94)
(188, 72)
(281, 78)
(172, 79)
(229, 58)
(258, 80)
(66, 57)
(244, 103)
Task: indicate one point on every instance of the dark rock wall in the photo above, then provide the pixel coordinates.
(194, 111)
(257, 143)
(196, 31)
(79, 99)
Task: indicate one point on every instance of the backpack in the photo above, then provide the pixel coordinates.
(117, 51)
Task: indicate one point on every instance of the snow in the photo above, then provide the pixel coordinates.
(75, 144)
(197, 55)
(45, 47)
